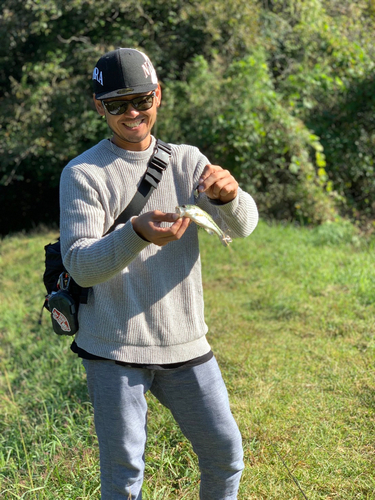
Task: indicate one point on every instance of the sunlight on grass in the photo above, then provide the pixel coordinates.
(291, 321)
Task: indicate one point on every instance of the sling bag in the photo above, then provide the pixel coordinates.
(64, 295)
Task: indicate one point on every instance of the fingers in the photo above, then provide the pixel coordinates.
(218, 183)
(159, 216)
(179, 227)
(148, 227)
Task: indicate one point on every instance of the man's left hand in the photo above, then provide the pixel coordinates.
(218, 184)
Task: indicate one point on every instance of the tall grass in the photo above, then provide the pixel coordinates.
(291, 318)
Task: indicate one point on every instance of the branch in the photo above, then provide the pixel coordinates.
(83, 39)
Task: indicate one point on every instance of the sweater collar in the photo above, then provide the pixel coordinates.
(129, 155)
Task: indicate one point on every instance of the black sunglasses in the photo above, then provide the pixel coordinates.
(139, 103)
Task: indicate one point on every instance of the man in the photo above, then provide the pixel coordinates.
(143, 326)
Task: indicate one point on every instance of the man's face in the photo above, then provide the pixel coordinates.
(132, 129)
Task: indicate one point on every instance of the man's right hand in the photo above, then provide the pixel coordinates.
(148, 227)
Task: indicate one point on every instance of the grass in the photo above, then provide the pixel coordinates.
(291, 318)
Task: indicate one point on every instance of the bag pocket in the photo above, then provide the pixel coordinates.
(64, 312)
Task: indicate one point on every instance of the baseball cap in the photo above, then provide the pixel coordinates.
(123, 72)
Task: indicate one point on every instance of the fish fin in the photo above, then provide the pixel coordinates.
(202, 226)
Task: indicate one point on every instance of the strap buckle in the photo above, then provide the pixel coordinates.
(158, 163)
(161, 155)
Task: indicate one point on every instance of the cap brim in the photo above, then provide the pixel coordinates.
(140, 89)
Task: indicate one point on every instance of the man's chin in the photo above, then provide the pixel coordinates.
(143, 140)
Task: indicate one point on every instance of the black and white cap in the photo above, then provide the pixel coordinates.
(123, 72)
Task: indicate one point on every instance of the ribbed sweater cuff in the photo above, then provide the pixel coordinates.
(227, 208)
(132, 243)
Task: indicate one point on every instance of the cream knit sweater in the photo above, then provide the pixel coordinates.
(145, 304)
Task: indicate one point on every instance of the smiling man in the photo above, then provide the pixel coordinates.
(130, 119)
(143, 326)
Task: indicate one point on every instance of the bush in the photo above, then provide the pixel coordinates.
(321, 55)
(347, 132)
(237, 119)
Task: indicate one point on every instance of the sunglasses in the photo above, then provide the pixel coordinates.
(139, 103)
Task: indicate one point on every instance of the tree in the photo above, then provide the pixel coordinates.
(263, 86)
(238, 119)
(50, 48)
(321, 54)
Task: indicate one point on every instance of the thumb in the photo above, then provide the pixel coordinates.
(165, 217)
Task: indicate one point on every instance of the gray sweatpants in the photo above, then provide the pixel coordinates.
(198, 400)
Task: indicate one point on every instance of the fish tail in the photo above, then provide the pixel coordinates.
(225, 239)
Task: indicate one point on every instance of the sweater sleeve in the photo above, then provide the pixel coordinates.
(89, 257)
(239, 217)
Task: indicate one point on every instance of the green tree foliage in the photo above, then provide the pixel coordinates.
(321, 54)
(272, 89)
(49, 52)
(234, 114)
(347, 132)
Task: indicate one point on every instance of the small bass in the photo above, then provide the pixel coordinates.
(204, 220)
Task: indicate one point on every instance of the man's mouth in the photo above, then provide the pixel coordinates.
(133, 124)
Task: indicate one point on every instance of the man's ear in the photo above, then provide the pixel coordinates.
(99, 106)
(158, 95)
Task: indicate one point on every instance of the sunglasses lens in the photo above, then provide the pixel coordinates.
(120, 107)
(142, 103)
(115, 107)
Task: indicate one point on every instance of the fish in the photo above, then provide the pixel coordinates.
(203, 219)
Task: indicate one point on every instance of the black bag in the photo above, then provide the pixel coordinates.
(64, 295)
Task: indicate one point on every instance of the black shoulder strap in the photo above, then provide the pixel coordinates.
(158, 163)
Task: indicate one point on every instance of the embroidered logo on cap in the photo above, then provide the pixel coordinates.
(98, 76)
(149, 70)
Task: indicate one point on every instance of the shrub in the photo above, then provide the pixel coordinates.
(237, 118)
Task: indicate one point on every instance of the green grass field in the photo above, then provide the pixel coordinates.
(291, 321)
